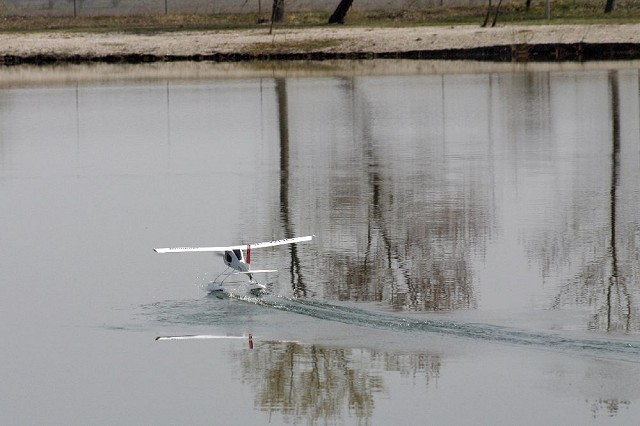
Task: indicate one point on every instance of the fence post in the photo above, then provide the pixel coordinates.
(547, 9)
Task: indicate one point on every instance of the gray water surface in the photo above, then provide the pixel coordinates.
(476, 256)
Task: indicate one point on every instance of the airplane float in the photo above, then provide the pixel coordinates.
(237, 263)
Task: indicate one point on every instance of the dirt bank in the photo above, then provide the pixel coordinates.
(557, 42)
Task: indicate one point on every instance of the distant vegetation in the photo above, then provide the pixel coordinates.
(513, 12)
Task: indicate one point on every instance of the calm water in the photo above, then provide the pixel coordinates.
(477, 254)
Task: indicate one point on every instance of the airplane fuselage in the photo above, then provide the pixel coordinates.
(235, 259)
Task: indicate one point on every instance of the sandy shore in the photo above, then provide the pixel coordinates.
(326, 39)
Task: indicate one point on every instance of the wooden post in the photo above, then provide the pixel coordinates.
(547, 9)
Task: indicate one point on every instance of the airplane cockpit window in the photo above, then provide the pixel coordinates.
(227, 256)
(238, 254)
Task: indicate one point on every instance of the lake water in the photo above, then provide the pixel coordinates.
(476, 258)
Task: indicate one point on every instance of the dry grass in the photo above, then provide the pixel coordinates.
(562, 11)
(139, 23)
(514, 12)
(292, 46)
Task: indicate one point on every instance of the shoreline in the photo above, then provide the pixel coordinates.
(27, 75)
(560, 52)
(502, 44)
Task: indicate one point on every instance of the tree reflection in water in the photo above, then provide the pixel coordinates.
(608, 251)
(410, 201)
(608, 407)
(417, 224)
(315, 383)
(295, 270)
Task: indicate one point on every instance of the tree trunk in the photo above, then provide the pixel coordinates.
(611, 4)
(528, 5)
(495, 18)
(341, 11)
(486, 17)
(277, 13)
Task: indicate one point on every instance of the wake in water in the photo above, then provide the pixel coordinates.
(611, 349)
(199, 312)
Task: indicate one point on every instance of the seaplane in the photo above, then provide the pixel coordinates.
(237, 263)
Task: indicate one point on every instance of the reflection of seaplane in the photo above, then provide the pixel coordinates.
(236, 262)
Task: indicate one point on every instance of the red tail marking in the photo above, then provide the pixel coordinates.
(248, 254)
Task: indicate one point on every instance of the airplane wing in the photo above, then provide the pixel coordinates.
(281, 242)
(238, 247)
(194, 249)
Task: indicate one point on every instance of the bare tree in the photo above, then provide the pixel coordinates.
(495, 18)
(611, 4)
(341, 11)
(527, 7)
(277, 12)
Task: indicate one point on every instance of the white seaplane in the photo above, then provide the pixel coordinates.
(237, 263)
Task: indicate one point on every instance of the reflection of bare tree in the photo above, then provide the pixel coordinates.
(316, 383)
(616, 286)
(355, 277)
(2, 142)
(415, 250)
(602, 282)
(611, 407)
(297, 281)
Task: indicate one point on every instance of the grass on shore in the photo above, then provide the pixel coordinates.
(512, 12)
